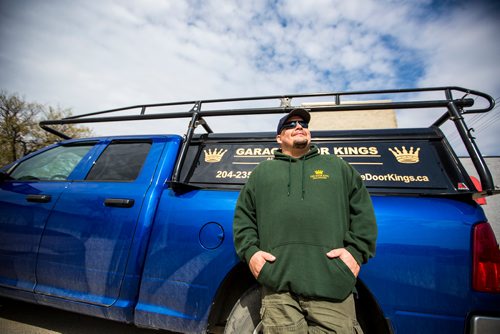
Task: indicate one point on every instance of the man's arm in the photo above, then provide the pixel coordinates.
(245, 231)
(360, 239)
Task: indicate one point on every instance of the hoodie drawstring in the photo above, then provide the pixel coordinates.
(289, 185)
(303, 176)
(302, 160)
(289, 174)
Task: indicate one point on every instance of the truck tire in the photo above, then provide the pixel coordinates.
(245, 315)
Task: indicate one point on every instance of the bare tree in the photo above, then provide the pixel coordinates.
(20, 133)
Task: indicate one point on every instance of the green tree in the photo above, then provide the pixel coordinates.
(20, 133)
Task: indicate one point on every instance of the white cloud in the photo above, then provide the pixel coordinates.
(91, 56)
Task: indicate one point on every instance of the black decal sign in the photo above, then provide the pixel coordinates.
(387, 164)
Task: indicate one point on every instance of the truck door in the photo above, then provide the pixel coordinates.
(27, 195)
(86, 241)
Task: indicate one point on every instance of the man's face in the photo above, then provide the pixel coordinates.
(294, 138)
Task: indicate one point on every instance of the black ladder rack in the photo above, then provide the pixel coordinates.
(455, 109)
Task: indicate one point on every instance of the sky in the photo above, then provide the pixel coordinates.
(94, 55)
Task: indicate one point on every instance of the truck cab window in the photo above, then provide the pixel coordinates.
(120, 161)
(54, 164)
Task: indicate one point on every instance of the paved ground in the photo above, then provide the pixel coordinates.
(25, 318)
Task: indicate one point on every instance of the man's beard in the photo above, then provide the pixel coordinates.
(300, 143)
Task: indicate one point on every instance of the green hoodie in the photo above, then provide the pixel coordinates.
(298, 210)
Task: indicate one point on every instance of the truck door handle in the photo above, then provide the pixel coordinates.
(119, 202)
(39, 198)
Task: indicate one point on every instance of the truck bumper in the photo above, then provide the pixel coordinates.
(484, 325)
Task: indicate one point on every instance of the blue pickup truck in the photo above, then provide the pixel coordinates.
(138, 229)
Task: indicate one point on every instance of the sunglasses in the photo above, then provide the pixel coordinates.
(293, 124)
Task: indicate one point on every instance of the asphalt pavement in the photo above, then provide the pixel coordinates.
(25, 318)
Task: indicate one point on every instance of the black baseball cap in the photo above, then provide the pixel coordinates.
(302, 113)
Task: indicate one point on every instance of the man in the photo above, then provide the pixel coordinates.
(304, 223)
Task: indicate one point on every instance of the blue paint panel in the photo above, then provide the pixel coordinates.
(417, 323)
(21, 226)
(85, 244)
(181, 276)
(421, 272)
(25, 206)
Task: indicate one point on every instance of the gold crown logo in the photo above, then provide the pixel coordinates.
(214, 156)
(319, 174)
(404, 156)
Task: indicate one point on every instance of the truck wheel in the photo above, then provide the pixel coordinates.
(245, 315)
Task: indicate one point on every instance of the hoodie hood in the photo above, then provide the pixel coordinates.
(279, 155)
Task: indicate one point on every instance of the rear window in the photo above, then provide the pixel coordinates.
(120, 161)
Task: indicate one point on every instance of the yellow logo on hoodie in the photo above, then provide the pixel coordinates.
(319, 174)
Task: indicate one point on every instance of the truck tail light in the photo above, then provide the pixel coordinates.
(479, 187)
(486, 260)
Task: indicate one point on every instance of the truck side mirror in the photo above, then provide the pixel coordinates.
(4, 176)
